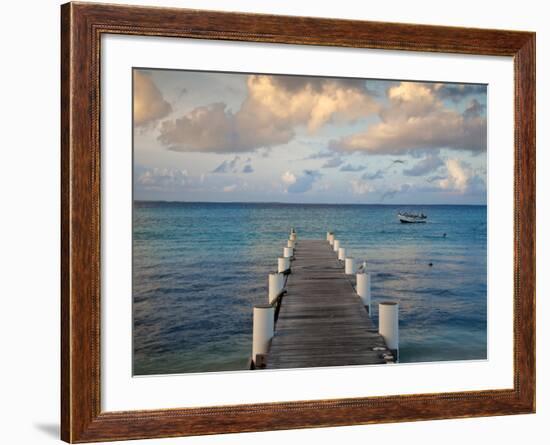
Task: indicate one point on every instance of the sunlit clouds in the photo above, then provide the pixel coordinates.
(217, 137)
(417, 119)
(288, 178)
(149, 104)
(459, 176)
(270, 115)
(300, 183)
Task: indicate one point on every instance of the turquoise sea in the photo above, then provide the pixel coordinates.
(199, 268)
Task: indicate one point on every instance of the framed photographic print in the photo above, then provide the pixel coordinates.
(276, 222)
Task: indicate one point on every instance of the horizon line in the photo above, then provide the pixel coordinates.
(297, 203)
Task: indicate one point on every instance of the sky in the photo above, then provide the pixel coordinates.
(231, 137)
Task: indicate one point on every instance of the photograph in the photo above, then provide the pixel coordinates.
(285, 221)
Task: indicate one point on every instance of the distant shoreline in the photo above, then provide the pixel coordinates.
(155, 201)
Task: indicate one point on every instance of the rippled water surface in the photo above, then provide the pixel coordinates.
(200, 267)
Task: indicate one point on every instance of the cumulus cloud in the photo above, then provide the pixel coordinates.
(310, 101)
(459, 175)
(209, 128)
(288, 178)
(274, 107)
(417, 119)
(149, 104)
(430, 163)
(162, 179)
(460, 178)
(361, 187)
(300, 183)
(352, 168)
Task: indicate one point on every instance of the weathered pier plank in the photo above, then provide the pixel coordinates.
(321, 320)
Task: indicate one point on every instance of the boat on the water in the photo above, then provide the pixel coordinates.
(406, 217)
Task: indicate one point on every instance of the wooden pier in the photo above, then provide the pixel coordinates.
(321, 321)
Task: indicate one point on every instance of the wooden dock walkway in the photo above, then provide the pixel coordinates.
(321, 320)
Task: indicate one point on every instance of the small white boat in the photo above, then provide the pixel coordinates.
(411, 218)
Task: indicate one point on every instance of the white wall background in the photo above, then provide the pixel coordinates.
(29, 222)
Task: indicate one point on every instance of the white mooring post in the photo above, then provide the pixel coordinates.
(292, 237)
(342, 253)
(336, 245)
(328, 235)
(288, 252)
(363, 289)
(276, 283)
(263, 324)
(291, 243)
(331, 239)
(350, 266)
(388, 325)
(283, 264)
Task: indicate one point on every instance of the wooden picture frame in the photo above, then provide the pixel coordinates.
(82, 26)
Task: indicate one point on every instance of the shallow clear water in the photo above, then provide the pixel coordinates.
(199, 268)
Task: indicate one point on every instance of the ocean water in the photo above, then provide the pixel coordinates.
(199, 268)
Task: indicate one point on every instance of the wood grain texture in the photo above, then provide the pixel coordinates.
(82, 27)
(322, 321)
